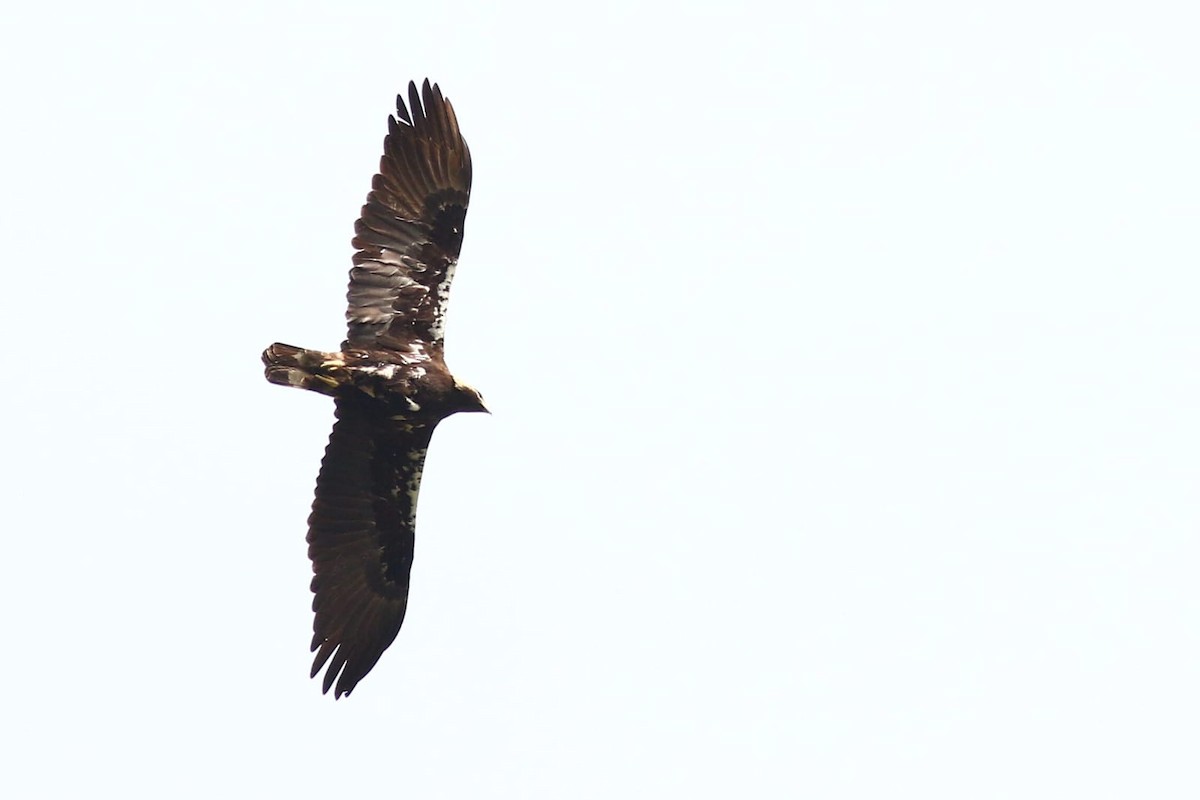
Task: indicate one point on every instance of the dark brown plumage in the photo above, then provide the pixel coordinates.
(390, 384)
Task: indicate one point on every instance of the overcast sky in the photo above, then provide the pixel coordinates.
(843, 360)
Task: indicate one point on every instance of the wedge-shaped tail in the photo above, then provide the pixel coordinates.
(305, 369)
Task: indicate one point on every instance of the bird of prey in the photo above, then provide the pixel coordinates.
(390, 387)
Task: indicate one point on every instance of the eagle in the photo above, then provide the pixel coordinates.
(390, 387)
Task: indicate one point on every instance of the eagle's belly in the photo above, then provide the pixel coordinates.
(404, 382)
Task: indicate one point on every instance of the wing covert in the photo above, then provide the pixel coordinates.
(409, 234)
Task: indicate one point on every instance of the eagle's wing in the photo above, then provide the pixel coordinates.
(360, 537)
(410, 232)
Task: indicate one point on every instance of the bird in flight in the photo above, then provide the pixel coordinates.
(390, 387)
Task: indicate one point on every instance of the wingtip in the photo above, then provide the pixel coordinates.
(414, 102)
(401, 112)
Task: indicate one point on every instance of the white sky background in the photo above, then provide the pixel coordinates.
(843, 362)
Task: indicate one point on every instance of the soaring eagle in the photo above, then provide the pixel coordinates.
(390, 387)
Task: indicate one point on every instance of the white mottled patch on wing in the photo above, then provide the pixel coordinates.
(415, 354)
(386, 371)
(412, 485)
(443, 300)
(412, 406)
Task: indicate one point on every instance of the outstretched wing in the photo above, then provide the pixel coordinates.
(410, 232)
(360, 537)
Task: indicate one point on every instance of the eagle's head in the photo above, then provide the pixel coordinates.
(466, 398)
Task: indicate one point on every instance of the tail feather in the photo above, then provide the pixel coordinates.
(303, 369)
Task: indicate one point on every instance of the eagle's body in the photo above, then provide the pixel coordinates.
(390, 385)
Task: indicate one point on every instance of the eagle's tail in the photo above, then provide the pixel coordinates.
(304, 369)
